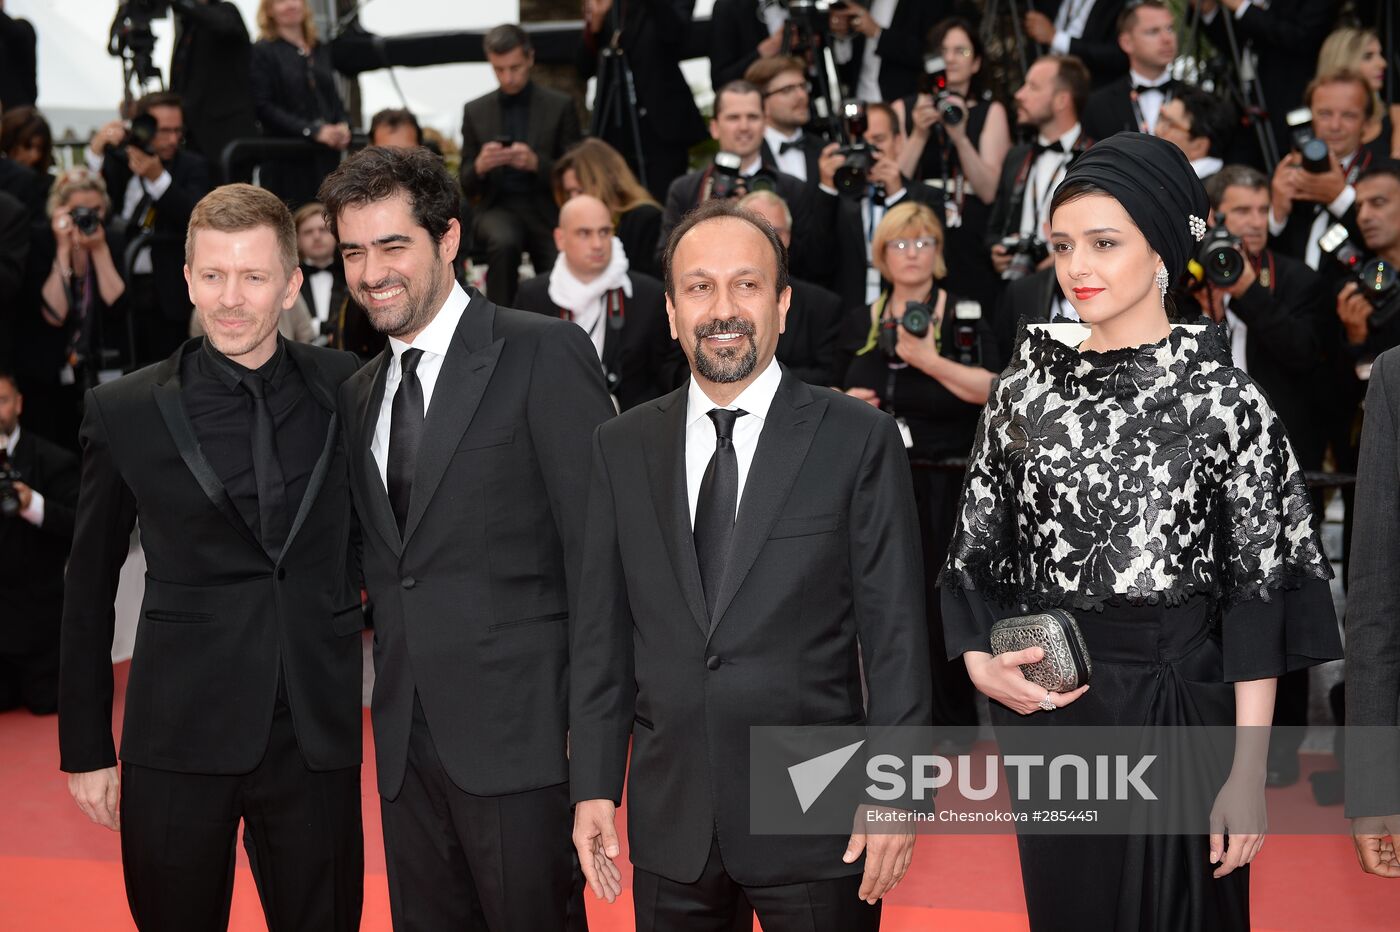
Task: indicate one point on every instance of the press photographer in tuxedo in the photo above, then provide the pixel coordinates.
(243, 702)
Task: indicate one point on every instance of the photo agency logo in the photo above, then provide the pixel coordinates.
(1066, 780)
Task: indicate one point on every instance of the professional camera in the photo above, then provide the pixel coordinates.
(934, 82)
(1219, 259)
(917, 319)
(726, 182)
(1313, 150)
(853, 177)
(141, 134)
(86, 219)
(1376, 278)
(9, 495)
(132, 40)
(1027, 252)
(967, 349)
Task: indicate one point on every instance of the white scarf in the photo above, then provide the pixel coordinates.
(585, 299)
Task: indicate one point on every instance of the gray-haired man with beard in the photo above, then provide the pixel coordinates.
(468, 447)
(745, 533)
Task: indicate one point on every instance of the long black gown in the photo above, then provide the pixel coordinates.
(1152, 491)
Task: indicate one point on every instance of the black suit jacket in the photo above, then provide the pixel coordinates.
(14, 254)
(209, 69)
(472, 606)
(640, 361)
(18, 74)
(222, 620)
(32, 558)
(825, 552)
(189, 174)
(1098, 46)
(1109, 109)
(811, 151)
(901, 48)
(735, 32)
(553, 129)
(807, 345)
(846, 266)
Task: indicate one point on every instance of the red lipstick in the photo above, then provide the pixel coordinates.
(1084, 294)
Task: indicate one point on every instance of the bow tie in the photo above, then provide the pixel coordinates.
(309, 270)
(1042, 147)
(794, 144)
(1165, 87)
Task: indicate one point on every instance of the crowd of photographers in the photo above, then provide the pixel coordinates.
(906, 164)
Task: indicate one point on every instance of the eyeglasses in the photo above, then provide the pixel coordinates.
(788, 90)
(956, 51)
(917, 245)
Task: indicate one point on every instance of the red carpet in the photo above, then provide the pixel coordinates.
(59, 872)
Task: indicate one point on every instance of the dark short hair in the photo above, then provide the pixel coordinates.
(888, 111)
(735, 87)
(1381, 168)
(715, 210)
(506, 38)
(1234, 176)
(940, 32)
(1071, 75)
(393, 119)
(1211, 117)
(7, 376)
(1128, 18)
(379, 173)
(19, 126)
(764, 70)
(157, 99)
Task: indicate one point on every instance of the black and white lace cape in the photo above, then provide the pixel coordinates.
(1144, 474)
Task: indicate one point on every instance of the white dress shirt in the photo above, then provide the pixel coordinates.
(793, 161)
(34, 514)
(433, 341)
(136, 188)
(322, 281)
(1238, 334)
(1070, 20)
(868, 84)
(1149, 103)
(1206, 167)
(1312, 253)
(1045, 174)
(700, 440)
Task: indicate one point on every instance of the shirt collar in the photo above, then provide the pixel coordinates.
(755, 400)
(1139, 81)
(437, 336)
(1207, 166)
(1067, 140)
(776, 139)
(230, 373)
(12, 441)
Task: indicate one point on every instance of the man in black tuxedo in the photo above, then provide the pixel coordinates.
(880, 45)
(653, 35)
(244, 695)
(738, 128)
(1086, 29)
(34, 542)
(623, 312)
(468, 439)
(1147, 35)
(741, 33)
(856, 214)
(786, 110)
(209, 70)
(688, 615)
(510, 139)
(807, 345)
(339, 319)
(153, 193)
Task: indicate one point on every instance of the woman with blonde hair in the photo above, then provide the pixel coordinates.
(1359, 50)
(295, 95)
(596, 168)
(934, 380)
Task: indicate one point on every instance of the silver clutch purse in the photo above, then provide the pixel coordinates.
(1066, 663)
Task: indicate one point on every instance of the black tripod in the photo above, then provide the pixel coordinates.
(616, 102)
(807, 37)
(1236, 77)
(991, 32)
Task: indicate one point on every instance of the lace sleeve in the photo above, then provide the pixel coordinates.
(1278, 612)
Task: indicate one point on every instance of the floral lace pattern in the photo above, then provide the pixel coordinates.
(1145, 474)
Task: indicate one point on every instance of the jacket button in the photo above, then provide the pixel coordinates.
(281, 572)
(408, 582)
(713, 663)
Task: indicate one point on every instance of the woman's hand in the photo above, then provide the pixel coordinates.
(1239, 813)
(925, 113)
(919, 352)
(999, 677)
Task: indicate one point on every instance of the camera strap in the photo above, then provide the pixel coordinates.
(1264, 269)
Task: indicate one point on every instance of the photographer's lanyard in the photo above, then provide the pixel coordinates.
(1018, 192)
(952, 193)
(1138, 117)
(878, 319)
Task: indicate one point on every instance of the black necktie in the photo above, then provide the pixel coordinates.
(267, 468)
(794, 144)
(714, 512)
(405, 432)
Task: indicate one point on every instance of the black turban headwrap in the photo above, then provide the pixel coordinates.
(1156, 185)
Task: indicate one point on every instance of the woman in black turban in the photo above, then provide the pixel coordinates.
(1142, 483)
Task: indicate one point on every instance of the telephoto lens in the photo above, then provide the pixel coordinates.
(1220, 258)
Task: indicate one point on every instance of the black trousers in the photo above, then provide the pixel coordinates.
(711, 903)
(301, 828)
(463, 862)
(504, 232)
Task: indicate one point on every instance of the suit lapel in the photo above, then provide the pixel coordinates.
(665, 455)
(315, 383)
(166, 392)
(381, 513)
(461, 383)
(782, 447)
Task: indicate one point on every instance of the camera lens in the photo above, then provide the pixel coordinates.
(1315, 159)
(1378, 280)
(952, 114)
(916, 319)
(1223, 265)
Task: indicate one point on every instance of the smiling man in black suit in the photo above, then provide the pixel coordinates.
(752, 549)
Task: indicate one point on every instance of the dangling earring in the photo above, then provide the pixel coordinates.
(1163, 280)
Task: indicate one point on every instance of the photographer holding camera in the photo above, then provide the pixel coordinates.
(38, 495)
(1369, 317)
(210, 70)
(156, 183)
(1313, 185)
(928, 358)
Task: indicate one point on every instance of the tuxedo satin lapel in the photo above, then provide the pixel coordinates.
(665, 454)
(381, 513)
(782, 447)
(315, 381)
(177, 421)
(466, 371)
